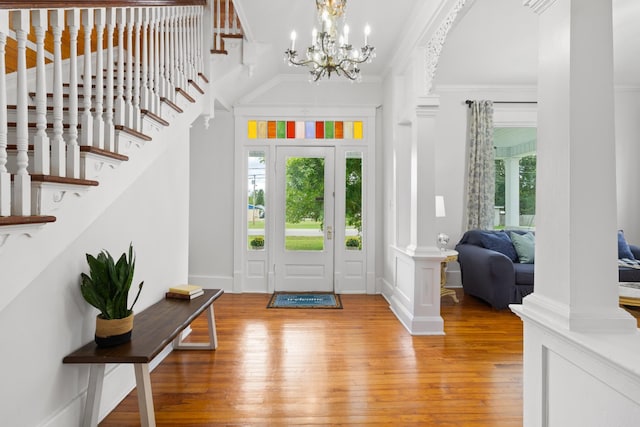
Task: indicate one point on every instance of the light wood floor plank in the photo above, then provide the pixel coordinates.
(356, 366)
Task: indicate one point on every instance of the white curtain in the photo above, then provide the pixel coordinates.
(481, 175)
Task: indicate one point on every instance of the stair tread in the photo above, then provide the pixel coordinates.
(102, 152)
(63, 180)
(185, 94)
(154, 116)
(195, 85)
(171, 104)
(21, 220)
(133, 132)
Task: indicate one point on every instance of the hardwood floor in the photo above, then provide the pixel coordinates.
(354, 366)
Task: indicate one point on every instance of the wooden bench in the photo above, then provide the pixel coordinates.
(154, 328)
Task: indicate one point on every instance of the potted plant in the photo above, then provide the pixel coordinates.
(353, 243)
(257, 242)
(106, 287)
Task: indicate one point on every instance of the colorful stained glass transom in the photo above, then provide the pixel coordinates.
(318, 129)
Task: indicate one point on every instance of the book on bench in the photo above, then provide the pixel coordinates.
(177, 295)
(185, 291)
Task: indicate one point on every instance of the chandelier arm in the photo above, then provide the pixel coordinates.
(346, 73)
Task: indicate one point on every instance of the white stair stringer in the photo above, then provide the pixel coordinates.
(34, 247)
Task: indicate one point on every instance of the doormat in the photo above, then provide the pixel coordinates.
(304, 300)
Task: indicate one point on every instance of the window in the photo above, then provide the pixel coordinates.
(256, 209)
(515, 189)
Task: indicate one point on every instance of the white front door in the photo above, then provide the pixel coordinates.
(304, 219)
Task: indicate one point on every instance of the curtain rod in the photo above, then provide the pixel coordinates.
(469, 102)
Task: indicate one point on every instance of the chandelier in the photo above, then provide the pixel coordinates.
(330, 51)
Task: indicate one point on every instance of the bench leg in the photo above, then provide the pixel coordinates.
(145, 397)
(178, 344)
(94, 393)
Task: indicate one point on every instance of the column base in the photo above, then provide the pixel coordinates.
(415, 299)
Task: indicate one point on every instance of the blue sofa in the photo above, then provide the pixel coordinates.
(497, 276)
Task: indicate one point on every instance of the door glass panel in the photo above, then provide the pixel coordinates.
(304, 204)
(353, 200)
(256, 200)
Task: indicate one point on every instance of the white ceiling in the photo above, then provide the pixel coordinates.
(495, 43)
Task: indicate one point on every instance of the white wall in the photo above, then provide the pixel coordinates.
(212, 214)
(49, 319)
(211, 205)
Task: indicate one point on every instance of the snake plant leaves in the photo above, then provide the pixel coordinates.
(107, 285)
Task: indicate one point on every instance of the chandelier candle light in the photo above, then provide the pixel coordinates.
(330, 51)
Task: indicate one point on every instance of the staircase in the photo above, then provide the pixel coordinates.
(70, 118)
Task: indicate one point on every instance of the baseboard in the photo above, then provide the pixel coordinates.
(212, 282)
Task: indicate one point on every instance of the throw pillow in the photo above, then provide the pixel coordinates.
(623, 247)
(499, 241)
(525, 246)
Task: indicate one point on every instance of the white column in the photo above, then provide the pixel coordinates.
(416, 291)
(98, 121)
(128, 87)
(135, 100)
(58, 149)
(576, 245)
(5, 177)
(86, 122)
(512, 191)
(21, 203)
(73, 150)
(161, 81)
(41, 164)
(109, 131)
(120, 109)
(423, 153)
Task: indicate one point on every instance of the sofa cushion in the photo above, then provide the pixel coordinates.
(524, 273)
(525, 246)
(626, 274)
(623, 247)
(498, 241)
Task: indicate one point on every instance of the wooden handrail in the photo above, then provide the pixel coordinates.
(53, 4)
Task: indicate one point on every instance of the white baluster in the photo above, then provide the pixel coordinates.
(119, 118)
(87, 119)
(128, 87)
(73, 150)
(58, 149)
(5, 177)
(202, 53)
(40, 140)
(21, 202)
(98, 120)
(182, 49)
(135, 100)
(177, 43)
(170, 54)
(109, 132)
(217, 40)
(191, 52)
(146, 95)
(155, 40)
(162, 27)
